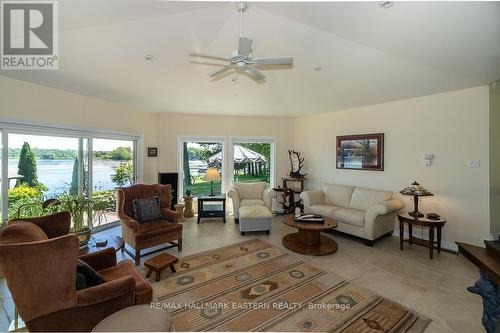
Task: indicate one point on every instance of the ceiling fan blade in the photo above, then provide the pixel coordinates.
(208, 56)
(255, 74)
(274, 61)
(206, 63)
(221, 71)
(244, 46)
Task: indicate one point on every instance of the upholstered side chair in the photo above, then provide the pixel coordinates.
(250, 194)
(141, 236)
(40, 272)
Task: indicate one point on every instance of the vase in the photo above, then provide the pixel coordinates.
(83, 237)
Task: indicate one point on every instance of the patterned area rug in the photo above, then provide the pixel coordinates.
(254, 286)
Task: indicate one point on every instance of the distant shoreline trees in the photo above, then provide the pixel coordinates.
(118, 154)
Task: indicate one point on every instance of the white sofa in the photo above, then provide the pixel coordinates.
(250, 194)
(362, 212)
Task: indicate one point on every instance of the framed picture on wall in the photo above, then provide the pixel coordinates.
(152, 152)
(361, 152)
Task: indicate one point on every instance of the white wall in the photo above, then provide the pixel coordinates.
(495, 159)
(174, 125)
(46, 106)
(453, 126)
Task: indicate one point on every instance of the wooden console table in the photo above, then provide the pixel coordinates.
(488, 285)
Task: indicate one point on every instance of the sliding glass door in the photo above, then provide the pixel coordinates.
(113, 165)
(37, 164)
(41, 167)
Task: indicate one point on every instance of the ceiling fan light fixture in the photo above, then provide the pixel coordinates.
(386, 4)
(242, 60)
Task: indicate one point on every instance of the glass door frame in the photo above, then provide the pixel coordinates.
(180, 160)
(27, 128)
(248, 139)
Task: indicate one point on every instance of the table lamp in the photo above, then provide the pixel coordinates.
(416, 190)
(211, 175)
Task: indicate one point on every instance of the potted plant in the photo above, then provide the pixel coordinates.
(81, 209)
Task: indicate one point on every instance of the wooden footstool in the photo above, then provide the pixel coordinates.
(158, 263)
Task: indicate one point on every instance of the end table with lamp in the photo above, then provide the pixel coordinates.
(419, 219)
(212, 205)
(416, 190)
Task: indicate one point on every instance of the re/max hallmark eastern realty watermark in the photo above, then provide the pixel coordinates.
(30, 35)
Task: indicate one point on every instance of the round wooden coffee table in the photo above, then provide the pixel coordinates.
(309, 239)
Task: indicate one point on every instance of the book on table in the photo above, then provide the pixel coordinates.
(313, 218)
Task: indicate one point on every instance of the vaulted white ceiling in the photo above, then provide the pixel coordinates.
(368, 54)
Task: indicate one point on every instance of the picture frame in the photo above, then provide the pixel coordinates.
(360, 152)
(152, 152)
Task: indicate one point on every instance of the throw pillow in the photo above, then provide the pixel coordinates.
(91, 277)
(80, 281)
(147, 210)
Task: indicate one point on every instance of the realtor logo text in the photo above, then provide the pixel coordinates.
(30, 35)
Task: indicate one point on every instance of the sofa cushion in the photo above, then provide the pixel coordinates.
(250, 190)
(364, 198)
(350, 216)
(323, 210)
(149, 230)
(252, 202)
(338, 195)
(143, 290)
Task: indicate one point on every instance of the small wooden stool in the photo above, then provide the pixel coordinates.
(158, 263)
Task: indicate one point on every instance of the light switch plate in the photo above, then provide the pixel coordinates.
(474, 164)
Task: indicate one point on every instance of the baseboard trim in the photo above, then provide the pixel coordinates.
(445, 245)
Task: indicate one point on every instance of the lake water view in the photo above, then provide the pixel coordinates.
(56, 174)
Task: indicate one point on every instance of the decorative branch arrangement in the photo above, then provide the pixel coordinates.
(296, 164)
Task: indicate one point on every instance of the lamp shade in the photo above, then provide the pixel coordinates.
(416, 189)
(211, 175)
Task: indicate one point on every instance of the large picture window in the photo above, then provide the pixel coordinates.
(41, 163)
(248, 159)
(197, 156)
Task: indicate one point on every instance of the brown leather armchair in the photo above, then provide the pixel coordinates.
(141, 236)
(39, 265)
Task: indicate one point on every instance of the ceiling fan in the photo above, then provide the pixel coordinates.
(242, 59)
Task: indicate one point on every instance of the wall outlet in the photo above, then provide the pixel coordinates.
(474, 163)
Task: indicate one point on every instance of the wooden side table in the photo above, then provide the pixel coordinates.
(212, 206)
(114, 241)
(188, 207)
(423, 222)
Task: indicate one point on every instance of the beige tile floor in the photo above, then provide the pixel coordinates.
(435, 288)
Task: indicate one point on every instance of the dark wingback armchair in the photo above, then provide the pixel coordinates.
(38, 260)
(141, 236)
